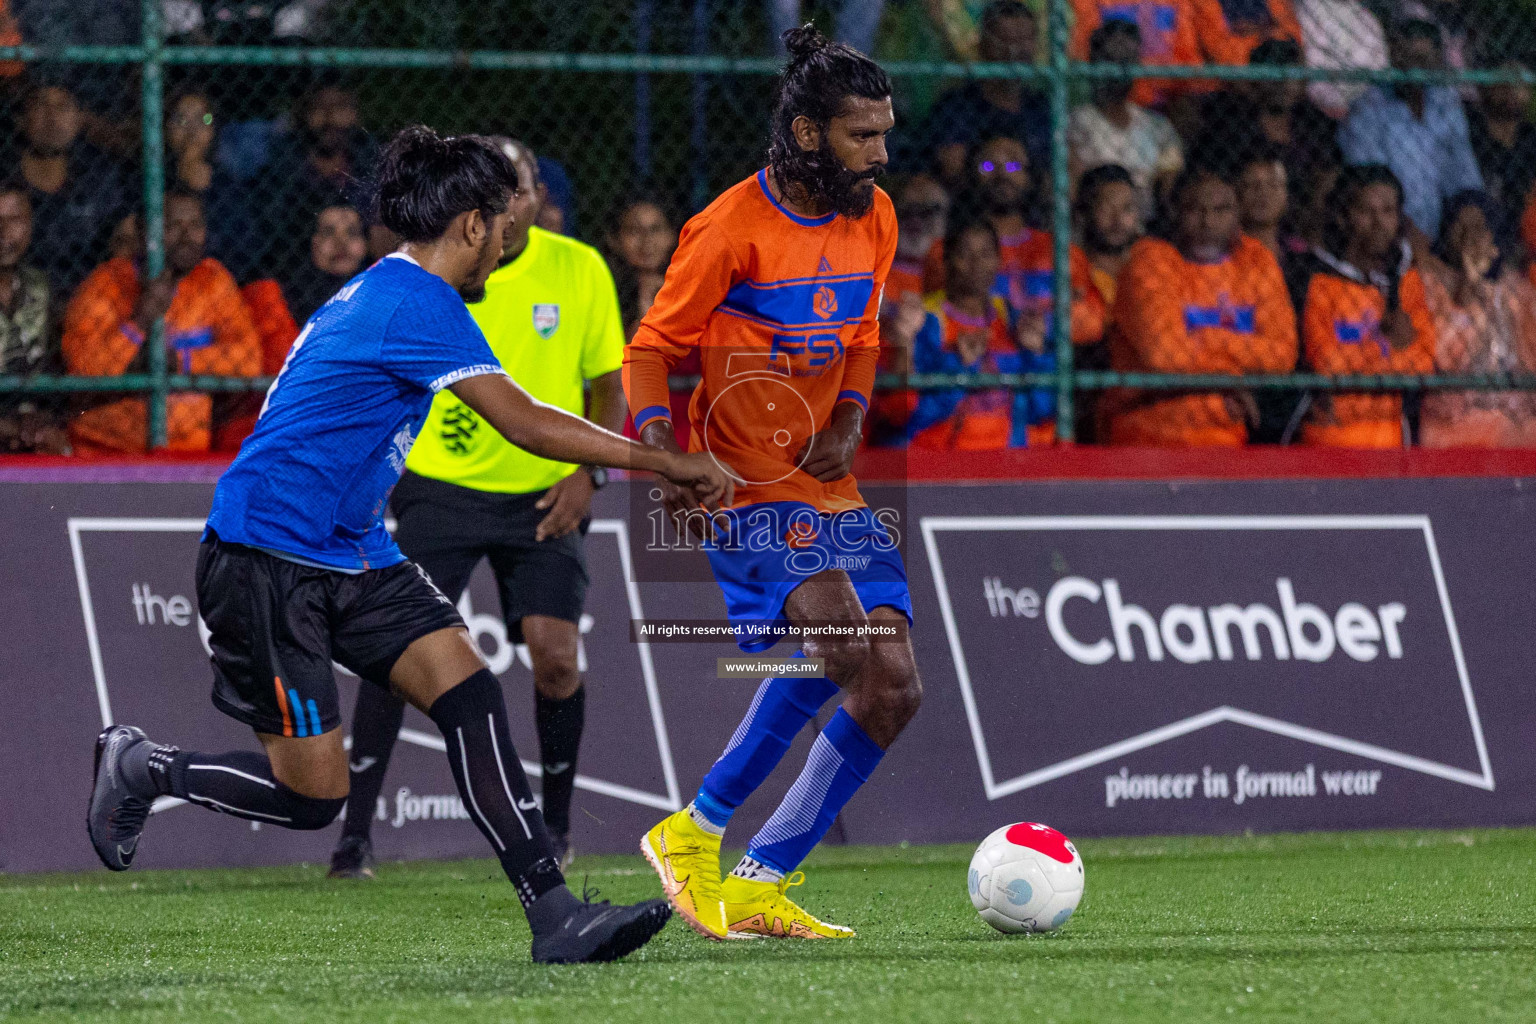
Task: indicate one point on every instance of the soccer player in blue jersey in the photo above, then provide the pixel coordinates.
(296, 568)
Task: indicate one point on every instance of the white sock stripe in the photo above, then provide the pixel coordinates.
(796, 815)
(740, 735)
(238, 812)
(232, 771)
(756, 871)
(490, 721)
(469, 791)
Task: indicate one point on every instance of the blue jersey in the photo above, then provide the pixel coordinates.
(313, 479)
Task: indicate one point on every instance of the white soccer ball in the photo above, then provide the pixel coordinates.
(1026, 878)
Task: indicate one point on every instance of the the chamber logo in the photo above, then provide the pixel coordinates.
(1337, 631)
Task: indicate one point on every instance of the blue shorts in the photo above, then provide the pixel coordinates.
(773, 547)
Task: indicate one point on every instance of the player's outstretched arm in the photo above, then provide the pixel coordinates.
(552, 433)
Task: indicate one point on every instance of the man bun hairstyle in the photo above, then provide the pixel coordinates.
(817, 80)
(426, 180)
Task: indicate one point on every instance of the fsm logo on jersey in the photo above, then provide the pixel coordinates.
(1078, 641)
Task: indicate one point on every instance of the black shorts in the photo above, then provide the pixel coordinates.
(276, 627)
(447, 529)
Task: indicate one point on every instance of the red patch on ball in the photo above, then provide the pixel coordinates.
(1040, 838)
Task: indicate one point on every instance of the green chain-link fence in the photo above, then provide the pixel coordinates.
(270, 114)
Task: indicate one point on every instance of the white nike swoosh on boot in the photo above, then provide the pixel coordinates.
(364, 764)
(527, 805)
(599, 919)
(556, 769)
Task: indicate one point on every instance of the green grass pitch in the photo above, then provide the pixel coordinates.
(1400, 926)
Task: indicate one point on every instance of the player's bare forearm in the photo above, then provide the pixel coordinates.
(660, 434)
(828, 455)
(552, 433)
(677, 501)
(606, 406)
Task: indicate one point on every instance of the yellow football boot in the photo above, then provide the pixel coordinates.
(761, 909)
(687, 859)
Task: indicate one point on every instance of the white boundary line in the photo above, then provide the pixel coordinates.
(932, 525)
(620, 530)
(671, 801)
(78, 525)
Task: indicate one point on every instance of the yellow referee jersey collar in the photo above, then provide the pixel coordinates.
(524, 259)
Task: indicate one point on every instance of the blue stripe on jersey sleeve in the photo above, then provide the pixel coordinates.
(645, 416)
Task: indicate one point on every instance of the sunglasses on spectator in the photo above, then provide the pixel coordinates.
(1009, 166)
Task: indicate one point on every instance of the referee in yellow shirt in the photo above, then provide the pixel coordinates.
(551, 315)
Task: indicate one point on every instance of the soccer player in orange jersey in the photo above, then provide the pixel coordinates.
(777, 286)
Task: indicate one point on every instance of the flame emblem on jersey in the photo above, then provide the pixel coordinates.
(800, 535)
(824, 302)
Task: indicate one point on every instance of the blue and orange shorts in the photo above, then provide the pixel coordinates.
(772, 547)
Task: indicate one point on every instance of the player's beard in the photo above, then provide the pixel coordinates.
(830, 181)
(1097, 243)
(473, 290)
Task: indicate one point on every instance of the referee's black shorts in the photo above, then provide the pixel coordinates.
(447, 529)
(276, 626)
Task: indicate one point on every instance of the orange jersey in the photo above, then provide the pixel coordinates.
(1108, 286)
(1027, 266)
(207, 330)
(783, 311)
(1341, 333)
(979, 420)
(275, 327)
(273, 321)
(1025, 277)
(10, 35)
(906, 277)
(1168, 37)
(1176, 316)
(889, 409)
(1223, 45)
(1494, 332)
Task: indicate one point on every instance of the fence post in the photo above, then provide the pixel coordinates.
(1061, 221)
(645, 12)
(152, 102)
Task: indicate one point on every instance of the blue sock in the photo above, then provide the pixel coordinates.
(778, 713)
(842, 759)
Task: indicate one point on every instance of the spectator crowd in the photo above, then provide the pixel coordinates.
(1253, 227)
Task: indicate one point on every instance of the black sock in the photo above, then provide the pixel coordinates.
(375, 727)
(560, 723)
(473, 719)
(239, 783)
